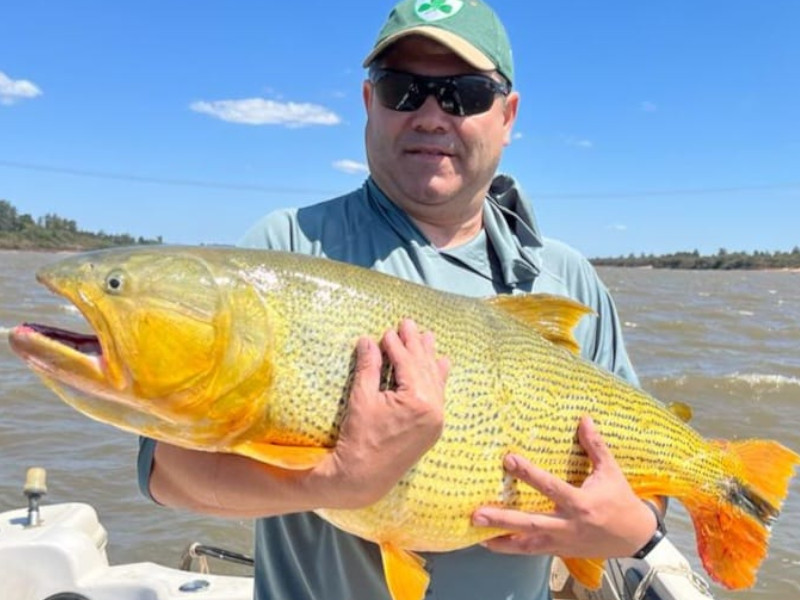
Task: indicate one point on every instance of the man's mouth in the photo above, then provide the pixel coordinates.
(429, 151)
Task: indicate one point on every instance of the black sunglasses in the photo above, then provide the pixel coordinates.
(459, 95)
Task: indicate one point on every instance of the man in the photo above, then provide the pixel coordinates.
(440, 110)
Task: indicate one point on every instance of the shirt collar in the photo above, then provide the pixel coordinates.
(508, 220)
(512, 230)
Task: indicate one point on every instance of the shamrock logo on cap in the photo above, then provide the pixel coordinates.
(434, 10)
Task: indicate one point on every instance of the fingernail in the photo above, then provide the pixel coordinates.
(480, 520)
(510, 463)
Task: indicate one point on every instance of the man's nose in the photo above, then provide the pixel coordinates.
(430, 116)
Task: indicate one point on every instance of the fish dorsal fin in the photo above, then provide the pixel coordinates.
(554, 317)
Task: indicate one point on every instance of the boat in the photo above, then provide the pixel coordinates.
(58, 552)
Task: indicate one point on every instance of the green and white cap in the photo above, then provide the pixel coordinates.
(468, 27)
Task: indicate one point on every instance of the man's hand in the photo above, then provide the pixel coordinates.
(601, 519)
(384, 433)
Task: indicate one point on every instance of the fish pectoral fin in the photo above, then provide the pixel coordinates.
(587, 571)
(405, 573)
(554, 317)
(295, 458)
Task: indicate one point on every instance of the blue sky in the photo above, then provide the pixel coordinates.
(645, 126)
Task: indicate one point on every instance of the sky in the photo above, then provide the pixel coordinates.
(644, 127)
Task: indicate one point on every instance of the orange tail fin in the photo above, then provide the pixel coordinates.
(733, 523)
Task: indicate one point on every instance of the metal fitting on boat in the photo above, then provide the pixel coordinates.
(35, 487)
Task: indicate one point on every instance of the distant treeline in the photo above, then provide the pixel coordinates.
(721, 260)
(52, 232)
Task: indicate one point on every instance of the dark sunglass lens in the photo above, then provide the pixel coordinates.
(398, 91)
(460, 95)
(474, 95)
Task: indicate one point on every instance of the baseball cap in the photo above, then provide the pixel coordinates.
(470, 28)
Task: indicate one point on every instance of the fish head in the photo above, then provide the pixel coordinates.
(175, 343)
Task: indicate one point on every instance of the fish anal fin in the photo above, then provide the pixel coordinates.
(554, 317)
(586, 571)
(295, 458)
(405, 573)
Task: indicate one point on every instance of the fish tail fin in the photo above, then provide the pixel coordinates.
(586, 571)
(733, 526)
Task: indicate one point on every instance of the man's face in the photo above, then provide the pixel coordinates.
(427, 157)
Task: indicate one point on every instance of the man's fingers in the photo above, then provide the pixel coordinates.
(443, 364)
(368, 365)
(529, 533)
(591, 441)
(558, 490)
(429, 342)
(409, 334)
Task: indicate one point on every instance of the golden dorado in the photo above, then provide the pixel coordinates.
(252, 352)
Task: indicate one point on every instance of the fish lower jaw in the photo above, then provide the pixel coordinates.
(58, 361)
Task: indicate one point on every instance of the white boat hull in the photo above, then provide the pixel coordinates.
(65, 558)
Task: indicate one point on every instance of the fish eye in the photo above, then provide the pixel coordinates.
(115, 282)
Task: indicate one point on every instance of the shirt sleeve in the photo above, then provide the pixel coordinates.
(144, 465)
(609, 349)
(599, 335)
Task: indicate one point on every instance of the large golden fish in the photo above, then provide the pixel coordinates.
(252, 352)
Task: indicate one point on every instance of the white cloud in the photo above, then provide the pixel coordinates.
(258, 111)
(350, 166)
(648, 106)
(578, 142)
(618, 227)
(12, 91)
(517, 136)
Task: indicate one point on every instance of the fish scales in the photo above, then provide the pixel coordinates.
(273, 336)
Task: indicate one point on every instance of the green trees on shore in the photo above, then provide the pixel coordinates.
(52, 232)
(723, 260)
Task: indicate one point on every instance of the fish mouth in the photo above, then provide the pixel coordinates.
(67, 356)
(81, 342)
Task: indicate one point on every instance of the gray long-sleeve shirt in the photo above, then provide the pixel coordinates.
(302, 557)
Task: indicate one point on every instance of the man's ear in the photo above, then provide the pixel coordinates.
(366, 93)
(509, 115)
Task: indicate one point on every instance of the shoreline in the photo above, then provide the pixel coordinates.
(77, 250)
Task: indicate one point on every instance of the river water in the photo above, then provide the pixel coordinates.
(727, 343)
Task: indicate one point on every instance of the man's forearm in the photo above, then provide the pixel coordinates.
(228, 485)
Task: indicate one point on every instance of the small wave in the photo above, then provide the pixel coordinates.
(5, 330)
(745, 313)
(69, 308)
(631, 324)
(755, 379)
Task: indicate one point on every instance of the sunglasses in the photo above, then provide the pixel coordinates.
(459, 95)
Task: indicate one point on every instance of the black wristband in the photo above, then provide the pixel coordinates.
(660, 533)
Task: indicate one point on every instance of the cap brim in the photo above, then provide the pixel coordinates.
(457, 44)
